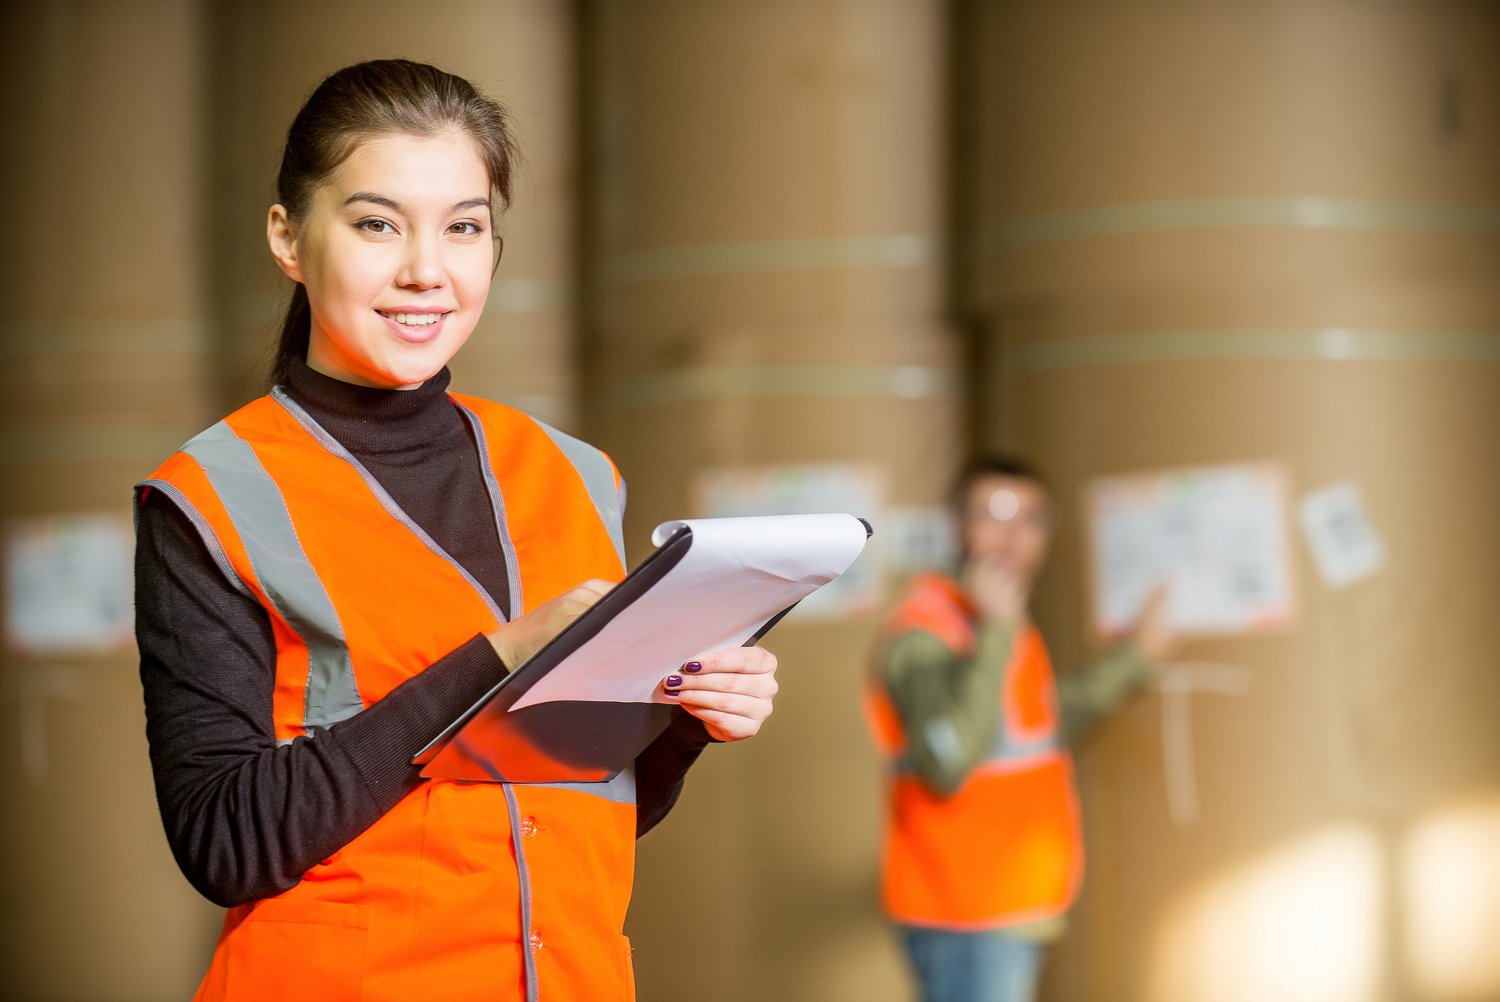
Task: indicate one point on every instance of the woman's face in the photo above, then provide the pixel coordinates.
(396, 255)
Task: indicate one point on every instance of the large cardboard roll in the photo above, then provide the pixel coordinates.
(106, 356)
(1265, 233)
(764, 255)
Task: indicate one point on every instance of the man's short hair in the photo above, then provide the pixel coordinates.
(995, 464)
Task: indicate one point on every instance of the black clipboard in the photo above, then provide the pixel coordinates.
(581, 741)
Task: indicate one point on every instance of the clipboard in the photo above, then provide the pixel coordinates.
(517, 734)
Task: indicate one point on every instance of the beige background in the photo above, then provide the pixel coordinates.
(1118, 237)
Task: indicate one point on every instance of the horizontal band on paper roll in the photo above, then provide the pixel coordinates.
(1330, 344)
(1316, 213)
(96, 443)
(899, 382)
(882, 250)
(52, 335)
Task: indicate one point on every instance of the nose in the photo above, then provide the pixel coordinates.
(421, 264)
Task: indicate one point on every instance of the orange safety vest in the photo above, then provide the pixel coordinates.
(1006, 848)
(463, 890)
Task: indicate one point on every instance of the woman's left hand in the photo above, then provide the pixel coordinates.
(730, 690)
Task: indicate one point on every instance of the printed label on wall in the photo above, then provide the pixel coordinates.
(919, 538)
(1344, 544)
(68, 585)
(1214, 538)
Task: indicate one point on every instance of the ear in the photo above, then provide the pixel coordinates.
(281, 234)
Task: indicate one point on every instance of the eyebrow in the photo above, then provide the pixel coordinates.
(390, 203)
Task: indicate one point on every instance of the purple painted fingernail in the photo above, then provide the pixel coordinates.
(674, 681)
(693, 667)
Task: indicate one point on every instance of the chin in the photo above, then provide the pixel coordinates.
(411, 374)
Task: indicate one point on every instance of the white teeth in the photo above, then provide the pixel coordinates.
(413, 319)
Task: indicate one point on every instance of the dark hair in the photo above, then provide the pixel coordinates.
(377, 98)
(995, 464)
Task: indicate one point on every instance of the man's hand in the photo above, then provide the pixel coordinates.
(1155, 637)
(1000, 593)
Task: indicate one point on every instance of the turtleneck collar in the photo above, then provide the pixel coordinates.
(372, 419)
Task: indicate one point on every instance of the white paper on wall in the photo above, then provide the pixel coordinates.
(919, 538)
(68, 585)
(1214, 538)
(1344, 544)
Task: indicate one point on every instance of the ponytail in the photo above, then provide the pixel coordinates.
(296, 330)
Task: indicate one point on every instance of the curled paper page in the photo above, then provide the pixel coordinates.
(586, 704)
(737, 574)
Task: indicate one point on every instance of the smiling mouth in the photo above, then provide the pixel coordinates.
(413, 319)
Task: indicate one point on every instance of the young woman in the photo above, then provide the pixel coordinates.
(332, 573)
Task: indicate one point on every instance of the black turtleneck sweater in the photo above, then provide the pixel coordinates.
(245, 817)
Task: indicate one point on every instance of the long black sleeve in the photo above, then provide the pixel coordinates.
(244, 817)
(661, 769)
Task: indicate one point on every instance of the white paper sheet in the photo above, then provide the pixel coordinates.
(1344, 543)
(738, 573)
(1215, 537)
(68, 585)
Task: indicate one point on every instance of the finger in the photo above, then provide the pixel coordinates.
(577, 600)
(755, 686)
(1156, 602)
(751, 660)
(592, 590)
(750, 694)
(741, 720)
(727, 727)
(748, 704)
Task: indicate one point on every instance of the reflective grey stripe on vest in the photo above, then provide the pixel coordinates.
(497, 505)
(1006, 747)
(599, 478)
(1003, 750)
(258, 511)
(620, 790)
(333, 445)
(523, 874)
(205, 531)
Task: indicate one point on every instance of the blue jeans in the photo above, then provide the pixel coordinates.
(985, 966)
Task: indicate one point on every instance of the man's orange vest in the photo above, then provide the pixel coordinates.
(1005, 849)
(463, 890)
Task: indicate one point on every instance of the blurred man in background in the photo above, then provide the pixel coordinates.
(983, 850)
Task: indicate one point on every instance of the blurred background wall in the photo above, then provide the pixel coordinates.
(774, 253)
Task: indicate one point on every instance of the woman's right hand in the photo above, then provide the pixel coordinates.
(519, 639)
